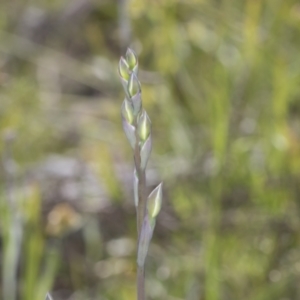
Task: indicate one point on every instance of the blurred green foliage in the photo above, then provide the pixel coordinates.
(221, 85)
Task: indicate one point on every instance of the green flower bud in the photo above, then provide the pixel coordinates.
(131, 59)
(133, 86)
(127, 111)
(124, 70)
(154, 201)
(144, 126)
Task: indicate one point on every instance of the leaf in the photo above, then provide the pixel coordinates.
(144, 241)
(137, 103)
(145, 152)
(130, 133)
(125, 84)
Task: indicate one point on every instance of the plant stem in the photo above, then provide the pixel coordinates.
(141, 211)
(142, 203)
(141, 283)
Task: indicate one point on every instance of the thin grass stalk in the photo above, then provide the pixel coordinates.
(14, 230)
(141, 210)
(137, 127)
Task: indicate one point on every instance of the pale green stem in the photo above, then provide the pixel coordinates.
(141, 211)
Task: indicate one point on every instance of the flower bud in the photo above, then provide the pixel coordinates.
(131, 59)
(133, 86)
(127, 111)
(124, 70)
(154, 201)
(144, 126)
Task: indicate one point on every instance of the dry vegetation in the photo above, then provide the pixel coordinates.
(221, 84)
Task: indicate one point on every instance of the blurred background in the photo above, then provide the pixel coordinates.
(220, 82)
